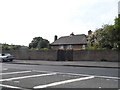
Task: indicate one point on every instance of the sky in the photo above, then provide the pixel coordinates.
(22, 20)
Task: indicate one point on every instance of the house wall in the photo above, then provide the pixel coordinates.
(75, 47)
(54, 47)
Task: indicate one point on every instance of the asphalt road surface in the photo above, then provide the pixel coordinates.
(35, 77)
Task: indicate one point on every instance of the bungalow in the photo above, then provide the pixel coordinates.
(72, 42)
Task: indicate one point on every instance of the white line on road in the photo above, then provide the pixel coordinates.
(14, 72)
(107, 77)
(31, 76)
(90, 75)
(110, 77)
(43, 71)
(7, 86)
(63, 82)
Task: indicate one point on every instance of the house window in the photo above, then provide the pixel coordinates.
(61, 47)
(69, 47)
(83, 46)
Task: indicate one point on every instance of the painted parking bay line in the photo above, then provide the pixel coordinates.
(110, 77)
(7, 86)
(14, 72)
(62, 82)
(31, 76)
(13, 87)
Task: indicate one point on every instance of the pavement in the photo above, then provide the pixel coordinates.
(97, 64)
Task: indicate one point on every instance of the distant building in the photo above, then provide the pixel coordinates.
(72, 42)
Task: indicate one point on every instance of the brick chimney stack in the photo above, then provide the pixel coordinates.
(89, 32)
(55, 38)
(72, 34)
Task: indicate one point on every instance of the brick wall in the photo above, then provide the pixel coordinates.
(33, 54)
(96, 55)
(91, 55)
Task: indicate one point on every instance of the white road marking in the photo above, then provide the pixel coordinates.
(75, 74)
(9, 79)
(83, 75)
(93, 75)
(90, 75)
(43, 71)
(63, 82)
(62, 73)
(107, 77)
(9, 86)
(14, 72)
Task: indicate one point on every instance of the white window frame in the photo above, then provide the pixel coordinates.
(61, 47)
(69, 47)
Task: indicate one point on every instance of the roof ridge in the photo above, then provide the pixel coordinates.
(73, 35)
(75, 39)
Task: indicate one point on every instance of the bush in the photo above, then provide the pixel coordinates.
(45, 49)
(94, 48)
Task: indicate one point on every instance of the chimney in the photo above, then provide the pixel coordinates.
(72, 34)
(89, 32)
(55, 38)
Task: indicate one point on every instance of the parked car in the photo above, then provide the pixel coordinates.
(6, 57)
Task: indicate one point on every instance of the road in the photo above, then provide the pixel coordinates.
(34, 77)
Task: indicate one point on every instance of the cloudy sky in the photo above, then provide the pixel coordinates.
(22, 20)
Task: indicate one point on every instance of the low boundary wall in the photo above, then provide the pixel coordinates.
(78, 55)
(96, 55)
(33, 54)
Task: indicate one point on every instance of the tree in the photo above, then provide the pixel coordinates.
(39, 43)
(13, 47)
(104, 37)
(107, 37)
(117, 31)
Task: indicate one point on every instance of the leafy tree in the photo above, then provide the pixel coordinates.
(117, 31)
(39, 43)
(107, 37)
(13, 47)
